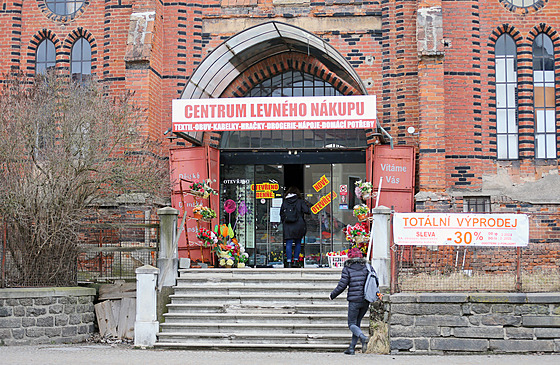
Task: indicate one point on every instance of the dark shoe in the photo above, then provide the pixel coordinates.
(349, 351)
(364, 343)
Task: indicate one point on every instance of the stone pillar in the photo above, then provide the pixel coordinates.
(146, 325)
(381, 231)
(168, 256)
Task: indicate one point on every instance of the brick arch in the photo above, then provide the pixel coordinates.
(69, 41)
(278, 64)
(521, 10)
(546, 29)
(61, 18)
(505, 29)
(36, 40)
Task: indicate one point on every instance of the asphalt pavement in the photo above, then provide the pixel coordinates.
(92, 354)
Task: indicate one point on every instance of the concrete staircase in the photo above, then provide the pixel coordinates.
(257, 309)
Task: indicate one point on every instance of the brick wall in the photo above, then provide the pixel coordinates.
(436, 75)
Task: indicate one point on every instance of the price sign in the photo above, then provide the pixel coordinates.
(461, 229)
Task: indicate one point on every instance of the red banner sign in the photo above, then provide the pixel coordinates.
(245, 114)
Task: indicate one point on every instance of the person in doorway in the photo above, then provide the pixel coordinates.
(354, 275)
(292, 216)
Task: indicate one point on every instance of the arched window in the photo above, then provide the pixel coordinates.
(81, 60)
(294, 83)
(45, 58)
(506, 98)
(544, 97)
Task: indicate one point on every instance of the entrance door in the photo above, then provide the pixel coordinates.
(269, 245)
(258, 191)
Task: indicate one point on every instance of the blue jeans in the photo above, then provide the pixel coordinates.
(356, 311)
(289, 244)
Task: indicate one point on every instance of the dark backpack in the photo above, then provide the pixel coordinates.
(371, 287)
(291, 214)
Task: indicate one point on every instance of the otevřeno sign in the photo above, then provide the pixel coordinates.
(461, 229)
(246, 114)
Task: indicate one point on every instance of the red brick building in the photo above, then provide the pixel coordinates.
(476, 81)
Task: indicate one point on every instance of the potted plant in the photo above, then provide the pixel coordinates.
(363, 189)
(361, 212)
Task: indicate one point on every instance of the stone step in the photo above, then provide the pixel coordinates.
(256, 318)
(249, 273)
(263, 299)
(242, 290)
(274, 308)
(196, 328)
(255, 338)
(194, 281)
(266, 309)
(255, 347)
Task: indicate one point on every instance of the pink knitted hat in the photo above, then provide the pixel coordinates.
(354, 252)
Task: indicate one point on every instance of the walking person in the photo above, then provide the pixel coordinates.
(291, 214)
(354, 275)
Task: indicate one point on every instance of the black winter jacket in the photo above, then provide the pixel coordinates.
(294, 230)
(354, 275)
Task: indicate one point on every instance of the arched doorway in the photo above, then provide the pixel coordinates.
(275, 59)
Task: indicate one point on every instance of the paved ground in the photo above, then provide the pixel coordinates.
(108, 355)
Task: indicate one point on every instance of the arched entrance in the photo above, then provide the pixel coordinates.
(275, 59)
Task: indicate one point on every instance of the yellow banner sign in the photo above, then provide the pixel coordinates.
(323, 202)
(323, 181)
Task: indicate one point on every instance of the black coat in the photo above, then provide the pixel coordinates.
(354, 275)
(295, 230)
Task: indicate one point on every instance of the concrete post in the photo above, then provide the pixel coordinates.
(168, 257)
(146, 325)
(381, 258)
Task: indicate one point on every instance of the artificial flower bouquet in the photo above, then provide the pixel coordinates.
(363, 189)
(202, 188)
(357, 233)
(361, 212)
(203, 212)
(207, 236)
(231, 254)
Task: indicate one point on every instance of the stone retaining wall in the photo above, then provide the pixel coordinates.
(474, 323)
(46, 315)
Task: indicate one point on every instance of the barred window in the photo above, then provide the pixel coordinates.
(506, 98)
(476, 204)
(544, 97)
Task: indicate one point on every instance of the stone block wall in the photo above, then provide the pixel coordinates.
(46, 315)
(474, 323)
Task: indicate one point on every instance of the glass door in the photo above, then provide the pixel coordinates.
(268, 187)
(317, 182)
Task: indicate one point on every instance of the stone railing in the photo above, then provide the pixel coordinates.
(46, 315)
(473, 322)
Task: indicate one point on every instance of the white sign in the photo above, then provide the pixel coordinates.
(279, 113)
(461, 229)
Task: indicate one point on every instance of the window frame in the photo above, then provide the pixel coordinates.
(40, 60)
(544, 131)
(81, 60)
(507, 115)
(55, 5)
